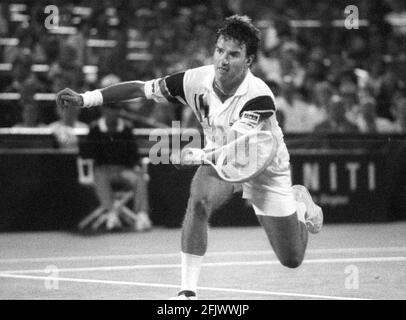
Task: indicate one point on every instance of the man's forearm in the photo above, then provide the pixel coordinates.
(123, 91)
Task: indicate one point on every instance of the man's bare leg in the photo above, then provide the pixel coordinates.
(208, 193)
(288, 237)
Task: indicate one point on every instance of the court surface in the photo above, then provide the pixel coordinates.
(345, 261)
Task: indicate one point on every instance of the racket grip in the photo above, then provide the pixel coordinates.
(192, 156)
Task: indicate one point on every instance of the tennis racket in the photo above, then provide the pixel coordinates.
(238, 161)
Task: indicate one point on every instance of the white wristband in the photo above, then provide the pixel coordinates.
(148, 89)
(92, 98)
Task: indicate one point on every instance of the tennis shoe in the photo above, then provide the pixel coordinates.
(314, 214)
(185, 295)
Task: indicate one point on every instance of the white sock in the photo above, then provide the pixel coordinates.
(190, 271)
(301, 211)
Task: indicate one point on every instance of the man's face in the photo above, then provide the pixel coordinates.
(230, 60)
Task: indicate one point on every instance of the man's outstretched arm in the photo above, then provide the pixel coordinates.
(114, 93)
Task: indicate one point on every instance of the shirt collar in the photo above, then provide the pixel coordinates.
(242, 89)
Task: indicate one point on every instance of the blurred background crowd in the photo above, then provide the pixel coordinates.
(326, 77)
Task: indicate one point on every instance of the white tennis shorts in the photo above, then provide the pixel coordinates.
(271, 193)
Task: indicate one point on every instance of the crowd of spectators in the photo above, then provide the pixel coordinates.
(325, 77)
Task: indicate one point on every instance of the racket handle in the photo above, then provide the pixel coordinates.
(192, 156)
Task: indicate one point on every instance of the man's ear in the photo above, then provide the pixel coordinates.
(250, 60)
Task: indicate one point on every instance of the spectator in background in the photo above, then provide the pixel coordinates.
(268, 61)
(79, 40)
(111, 144)
(399, 111)
(21, 73)
(64, 128)
(28, 44)
(375, 76)
(390, 83)
(60, 80)
(348, 91)
(336, 121)
(322, 93)
(25, 43)
(316, 66)
(31, 117)
(291, 67)
(299, 115)
(23, 82)
(367, 119)
(67, 65)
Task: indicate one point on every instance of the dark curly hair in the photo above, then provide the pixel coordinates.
(242, 29)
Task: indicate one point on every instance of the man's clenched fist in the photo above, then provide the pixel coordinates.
(69, 98)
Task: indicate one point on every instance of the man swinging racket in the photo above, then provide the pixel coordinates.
(226, 97)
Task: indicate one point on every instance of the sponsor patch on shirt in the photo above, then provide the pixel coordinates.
(251, 117)
(249, 120)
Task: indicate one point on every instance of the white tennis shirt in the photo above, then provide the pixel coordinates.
(252, 106)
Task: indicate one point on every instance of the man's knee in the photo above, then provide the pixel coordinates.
(200, 207)
(207, 193)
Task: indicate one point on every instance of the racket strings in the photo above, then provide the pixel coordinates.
(246, 157)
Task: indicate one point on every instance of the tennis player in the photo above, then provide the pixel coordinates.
(227, 98)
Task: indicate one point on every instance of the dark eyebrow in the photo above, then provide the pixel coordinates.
(231, 52)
